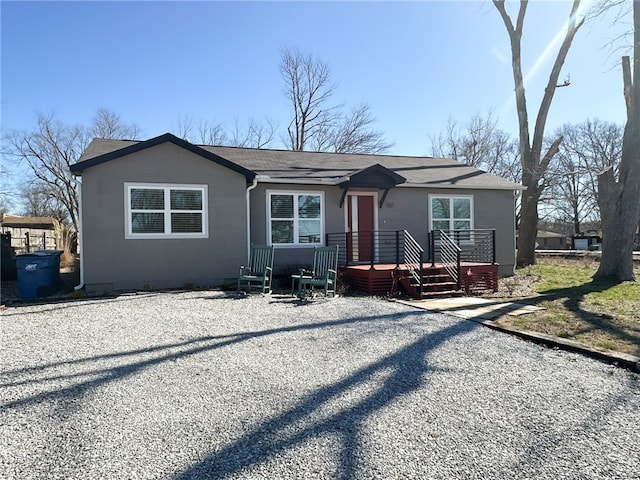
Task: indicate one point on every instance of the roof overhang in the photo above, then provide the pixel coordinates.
(453, 186)
(41, 223)
(374, 176)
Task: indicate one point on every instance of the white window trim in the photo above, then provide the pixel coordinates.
(296, 244)
(128, 233)
(449, 196)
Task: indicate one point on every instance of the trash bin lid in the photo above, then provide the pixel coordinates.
(48, 252)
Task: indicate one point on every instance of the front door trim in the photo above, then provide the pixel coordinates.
(375, 211)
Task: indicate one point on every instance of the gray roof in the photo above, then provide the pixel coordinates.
(548, 234)
(320, 167)
(15, 221)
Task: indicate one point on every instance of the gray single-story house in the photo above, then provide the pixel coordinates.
(546, 240)
(164, 213)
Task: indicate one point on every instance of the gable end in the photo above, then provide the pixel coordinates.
(374, 176)
(79, 167)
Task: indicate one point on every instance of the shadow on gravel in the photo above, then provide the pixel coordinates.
(61, 303)
(597, 419)
(408, 368)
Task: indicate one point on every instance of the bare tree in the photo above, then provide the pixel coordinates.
(534, 162)
(256, 134)
(205, 132)
(587, 148)
(352, 133)
(318, 124)
(211, 133)
(5, 204)
(108, 124)
(50, 149)
(184, 128)
(7, 193)
(481, 144)
(619, 195)
(309, 88)
(38, 201)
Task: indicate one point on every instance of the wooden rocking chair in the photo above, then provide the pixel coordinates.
(323, 276)
(257, 276)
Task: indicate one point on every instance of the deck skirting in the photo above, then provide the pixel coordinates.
(387, 279)
(379, 281)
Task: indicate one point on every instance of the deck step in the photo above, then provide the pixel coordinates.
(441, 278)
(440, 294)
(431, 286)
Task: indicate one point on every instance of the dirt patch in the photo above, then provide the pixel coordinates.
(602, 316)
(69, 278)
(517, 286)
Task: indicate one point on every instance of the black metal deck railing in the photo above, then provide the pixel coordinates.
(375, 247)
(398, 247)
(450, 254)
(476, 246)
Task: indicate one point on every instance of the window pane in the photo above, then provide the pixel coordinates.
(147, 199)
(461, 225)
(441, 225)
(461, 208)
(186, 222)
(147, 222)
(309, 231)
(309, 206)
(440, 208)
(282, 206)
(282, 231)
(186, 199)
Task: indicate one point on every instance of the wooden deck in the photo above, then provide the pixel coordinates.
(386, 279)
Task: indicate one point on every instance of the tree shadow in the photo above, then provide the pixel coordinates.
(59, 303)
(572, 299)
(95, 377)
(404, 372)
(597, 420)
(385, 381)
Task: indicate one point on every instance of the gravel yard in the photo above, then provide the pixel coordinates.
(202, 385)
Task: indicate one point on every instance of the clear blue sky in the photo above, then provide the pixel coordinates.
(414, 63)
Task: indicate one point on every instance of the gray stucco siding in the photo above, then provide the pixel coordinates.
(290, 258)
(404, 208)
(496, 209)
(112, 262)
(492, 209)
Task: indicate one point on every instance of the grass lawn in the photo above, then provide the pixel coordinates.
(595, 314)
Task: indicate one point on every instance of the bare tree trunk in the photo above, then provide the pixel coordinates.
(620, 200)
(528, 230)
(534, 165)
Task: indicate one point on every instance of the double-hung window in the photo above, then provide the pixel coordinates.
(165, 211)
(449, 212)
(295, 218)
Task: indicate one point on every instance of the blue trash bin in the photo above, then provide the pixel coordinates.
(55, 270)
(36, 274)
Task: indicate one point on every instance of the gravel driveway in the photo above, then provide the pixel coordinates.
(207, 385)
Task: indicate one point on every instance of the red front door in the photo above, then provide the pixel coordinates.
(360, 211)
